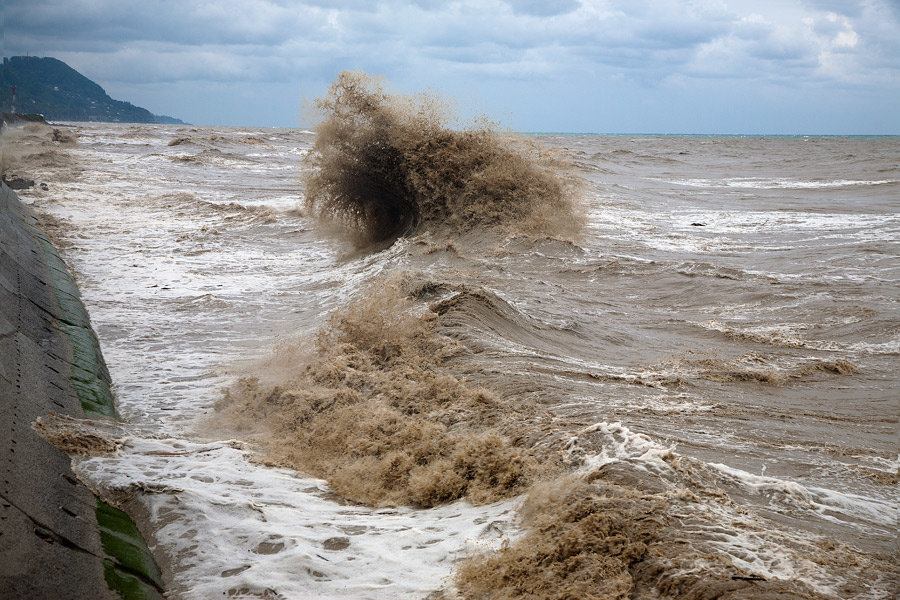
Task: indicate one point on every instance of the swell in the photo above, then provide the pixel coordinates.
(630, 158)
(755, 368)
(791, 336)
(211, 156)
(186, 204)
(475, 315)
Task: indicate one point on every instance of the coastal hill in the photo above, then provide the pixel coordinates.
(52, 88)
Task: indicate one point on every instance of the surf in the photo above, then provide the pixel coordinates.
(386, 164)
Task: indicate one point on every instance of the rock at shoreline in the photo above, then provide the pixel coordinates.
(19, 183)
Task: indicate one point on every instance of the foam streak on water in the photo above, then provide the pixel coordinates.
(728, 322)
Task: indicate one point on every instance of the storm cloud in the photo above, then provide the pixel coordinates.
(820, 66)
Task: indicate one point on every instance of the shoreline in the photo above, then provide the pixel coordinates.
(56, 534)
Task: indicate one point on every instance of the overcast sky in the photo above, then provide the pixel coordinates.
(702, 66)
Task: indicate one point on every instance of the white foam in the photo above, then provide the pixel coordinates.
(888, 347)
(766, 553)
(618, 443)
(723, 526)
(181, 285)
(831, 505)
(227, 524)
(789, 335)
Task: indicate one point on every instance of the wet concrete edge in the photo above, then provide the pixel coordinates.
(57, 539)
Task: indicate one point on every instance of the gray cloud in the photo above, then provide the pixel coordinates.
(260, 22)
(636, 35)
(422, 43)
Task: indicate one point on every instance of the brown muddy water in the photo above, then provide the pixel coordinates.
(693, 395)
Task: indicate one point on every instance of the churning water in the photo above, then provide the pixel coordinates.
(707, 371)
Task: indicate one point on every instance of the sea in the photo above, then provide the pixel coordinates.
(721, 337)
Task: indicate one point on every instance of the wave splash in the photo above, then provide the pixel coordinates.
(376, 412)
(386, 164)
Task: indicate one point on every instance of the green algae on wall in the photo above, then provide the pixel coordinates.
(133, 573)
(89, 376)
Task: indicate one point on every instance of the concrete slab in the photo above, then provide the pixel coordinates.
(57, 540)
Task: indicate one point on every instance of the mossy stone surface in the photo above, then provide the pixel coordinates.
(131, 571)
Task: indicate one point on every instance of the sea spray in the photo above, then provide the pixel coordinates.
(377, 412)
(386, 164)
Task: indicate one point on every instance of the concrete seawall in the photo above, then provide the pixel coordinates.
(57, 540)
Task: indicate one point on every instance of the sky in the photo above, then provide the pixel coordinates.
(602, 66)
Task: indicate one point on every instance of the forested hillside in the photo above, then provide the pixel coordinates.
(52, 88)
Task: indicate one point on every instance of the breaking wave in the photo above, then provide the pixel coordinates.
(32, 150)
(376, 412)
(591, 538)
(385, 164)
